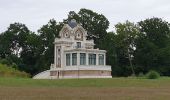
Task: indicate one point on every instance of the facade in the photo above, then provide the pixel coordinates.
(75, 56)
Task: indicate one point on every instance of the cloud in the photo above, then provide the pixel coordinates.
(35, 13)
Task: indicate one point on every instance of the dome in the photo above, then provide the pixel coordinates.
(72, 23)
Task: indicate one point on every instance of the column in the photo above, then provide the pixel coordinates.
(78, 59)
(104, 59)
(70, 59)
(87, 58)
(64, 59)
(61, 56)
(97, 59)
(55, 56)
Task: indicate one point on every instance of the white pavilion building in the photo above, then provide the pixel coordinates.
(75, 56)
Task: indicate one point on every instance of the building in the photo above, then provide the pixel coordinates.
(75, 56)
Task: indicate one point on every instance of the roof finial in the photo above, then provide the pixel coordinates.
(72, 23)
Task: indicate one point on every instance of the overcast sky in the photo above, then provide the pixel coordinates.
(35, 13)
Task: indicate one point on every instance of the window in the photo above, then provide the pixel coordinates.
(74, 59)
(78, 35)
(58, 51)
(78, 44)
(101, 59)
(66, 34)
(82, 59)
(92, 59)
(67, 59)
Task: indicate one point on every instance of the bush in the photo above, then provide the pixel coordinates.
(141, 74)
(152, 75)
(8, 71)
(4, 61)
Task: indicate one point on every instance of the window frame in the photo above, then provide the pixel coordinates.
(74, 59)
(101, 59)
(82, 58)
(68, 62)
(92, 59)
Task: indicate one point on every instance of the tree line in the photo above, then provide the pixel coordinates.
(132, 49)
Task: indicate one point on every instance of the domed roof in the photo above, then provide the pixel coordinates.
(72, 23)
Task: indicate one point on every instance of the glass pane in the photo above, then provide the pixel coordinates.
(82, 58)
(78, 44)
(74, 59)
(101, 59)
(92, 59)
(67, 59)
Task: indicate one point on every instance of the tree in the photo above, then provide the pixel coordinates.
(13, 40)
(95, 24)
(108, 44)
(126, 33)
(152, 45)
(22, 47)
(31, 54)
(47, 34)
(17, 47)
(155, 30)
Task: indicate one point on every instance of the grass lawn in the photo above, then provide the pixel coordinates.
(85, 89)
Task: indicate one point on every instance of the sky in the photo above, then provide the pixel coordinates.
(35, 13)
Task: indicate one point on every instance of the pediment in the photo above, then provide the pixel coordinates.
(79, 32)
(65, 32)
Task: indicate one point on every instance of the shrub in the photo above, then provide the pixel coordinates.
(8, 71)
(141, 74)
(152, 75)
(4, 61)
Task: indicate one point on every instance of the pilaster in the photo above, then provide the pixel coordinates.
(78, 59)
(55, 56)
(97, 59)
(62, 56)
(70, 59)
(87, 58)
(104, 59)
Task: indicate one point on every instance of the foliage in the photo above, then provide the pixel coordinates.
(95, 24)
(152, 75)
(4, 61)
(14, 39)
(131, 49)
(152, 45)
(9, 71)
(108, 44)
(126, 34)
(47, 34)
(141, 74)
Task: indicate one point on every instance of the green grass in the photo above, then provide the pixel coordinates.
(114, 82)
(85, 89)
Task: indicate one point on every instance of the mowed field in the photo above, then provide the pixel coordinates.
(85, 89)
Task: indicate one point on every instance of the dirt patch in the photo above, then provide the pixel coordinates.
(80, 93)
